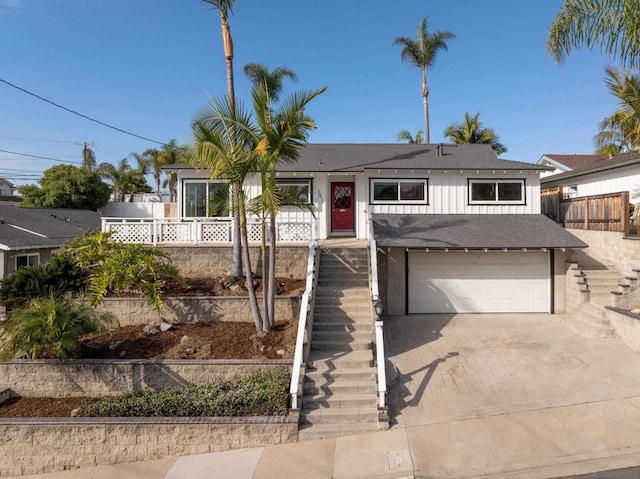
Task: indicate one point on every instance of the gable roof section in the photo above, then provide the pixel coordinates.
(30, 228)
(587, 164)
(471, 231)
(358, 157)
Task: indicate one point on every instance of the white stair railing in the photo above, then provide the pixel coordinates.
(378, 323)
(305, 323)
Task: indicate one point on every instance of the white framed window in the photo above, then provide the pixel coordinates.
(204, 199)
(570, 191)
(295, 191)
(31, 259)
(505, 192)
(410, 191)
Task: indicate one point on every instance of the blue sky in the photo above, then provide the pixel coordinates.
(146, 66)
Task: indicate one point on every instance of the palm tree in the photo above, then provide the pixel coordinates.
(125, 179)
(282, 134)
(155, 161)
(269, 85)
(225, 7)
(422, 53)
(621, 131)
(611, 25)
(405, 135)
(224, 143)
(88, 158)
(471, 130)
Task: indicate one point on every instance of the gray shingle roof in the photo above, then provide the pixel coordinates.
(43, 227)
(472, 231)
(586, 164)
(361, 156)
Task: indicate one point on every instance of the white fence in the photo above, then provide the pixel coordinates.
(201, 230)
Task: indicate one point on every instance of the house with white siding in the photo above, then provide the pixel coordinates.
(591, 175)
(456, 229)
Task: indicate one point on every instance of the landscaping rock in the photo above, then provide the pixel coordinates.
(280, 352)
(165, 326)
(150, 330)
(189, 351)
(185, 340)
(235, 287)
(116, 345)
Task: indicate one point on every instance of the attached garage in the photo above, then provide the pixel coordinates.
(479, 282)
(484, 263)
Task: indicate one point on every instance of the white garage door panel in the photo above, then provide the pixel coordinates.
(489, 282)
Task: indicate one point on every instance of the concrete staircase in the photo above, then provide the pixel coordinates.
(588, 318)
(339, 394)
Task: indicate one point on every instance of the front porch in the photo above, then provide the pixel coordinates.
(193, 231)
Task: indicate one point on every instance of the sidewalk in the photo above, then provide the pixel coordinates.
(547, 443)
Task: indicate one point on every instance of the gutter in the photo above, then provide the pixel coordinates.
(572, 174)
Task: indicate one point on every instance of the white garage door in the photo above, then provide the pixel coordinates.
(492, 282)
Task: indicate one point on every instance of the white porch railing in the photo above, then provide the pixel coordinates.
(379, 336)
(202, 230)
(305, 324)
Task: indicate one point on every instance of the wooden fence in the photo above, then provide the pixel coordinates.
(609, 212)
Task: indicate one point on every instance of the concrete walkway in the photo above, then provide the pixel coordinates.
(477, 396)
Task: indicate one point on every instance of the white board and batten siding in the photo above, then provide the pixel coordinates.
(478, 282)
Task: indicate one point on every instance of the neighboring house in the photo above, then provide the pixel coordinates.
(29, 236)
(457, 229)
(6, 188)
(589, 175)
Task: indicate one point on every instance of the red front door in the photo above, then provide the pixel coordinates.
(342, 207)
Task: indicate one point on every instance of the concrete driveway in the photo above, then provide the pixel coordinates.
(500, 395)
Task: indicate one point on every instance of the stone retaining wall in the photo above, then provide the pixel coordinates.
(132, 311)
(52, 378)
(626, 324)
(206, 261)
(611, 248)
(32, 446)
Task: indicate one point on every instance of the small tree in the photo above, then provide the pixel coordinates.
(114, 266)
(65, 186)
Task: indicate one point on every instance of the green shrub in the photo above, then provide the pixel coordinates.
(114, 266)
(57, 277)
(258, 394)
(49, 322)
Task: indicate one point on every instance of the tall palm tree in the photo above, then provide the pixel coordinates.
(405, 135)
(282, 134)
(422, 53)
(611, 25)
(124, 179)
(88, 158)
(471, 130)
(269, 85)
(224, 144)
(225, 7)
(155, 161)
(621, 130)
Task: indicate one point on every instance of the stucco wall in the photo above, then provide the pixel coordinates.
(32, 446)
(131, 311)
(207, 261)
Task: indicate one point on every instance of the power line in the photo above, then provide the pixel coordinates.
(80, 114)
(40, 157)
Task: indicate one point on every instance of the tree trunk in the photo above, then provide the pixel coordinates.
(272, 271)
(236, 246)
(253, 300)
(425, 104)
(266, 318)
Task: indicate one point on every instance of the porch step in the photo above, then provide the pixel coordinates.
(341, 325)
(343, 281)
(322, 387)
(323, 360)
(309, 432)
(589, 320)
(341, 336)
(340, 346)
(339, 400)
(342, 374)
(347, 415)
